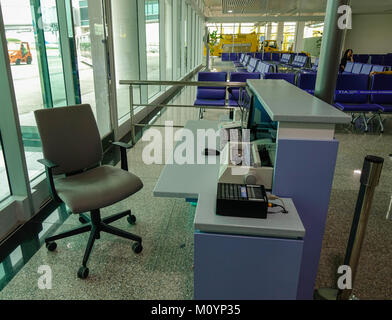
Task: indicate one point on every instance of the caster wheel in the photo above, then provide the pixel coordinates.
(83, 273)
(131, 219)
(51, 246)
(137, 247)
(82, 220)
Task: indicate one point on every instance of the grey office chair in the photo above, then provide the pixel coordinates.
(72, 151)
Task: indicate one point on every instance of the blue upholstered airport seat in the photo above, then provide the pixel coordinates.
(225, 57)
(349, 67)
(377, 59)
(382, 82)
(300, 61)
(285, 58)
(289, 77)
(239, 77)
(233, 56)
(211, 96)
(264, 68)
(357, 68)
(361, 58)
(275, 56)
(267, 56)
(355, 103)
(253, 62)
(307, 81)
(388, 59)
(240, 61)
(378, 68)
(315, 65)
(366, 69)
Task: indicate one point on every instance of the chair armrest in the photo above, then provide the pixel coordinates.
(123, 151)
(47, 163)
(123, 145)
(49, 166)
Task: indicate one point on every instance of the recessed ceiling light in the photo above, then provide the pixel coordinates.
(230, 11)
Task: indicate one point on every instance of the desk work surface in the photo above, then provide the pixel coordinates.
(199, 181)
(288, 103)
(189, 180)
(277, 225)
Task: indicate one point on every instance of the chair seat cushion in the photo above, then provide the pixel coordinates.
(211, 93)
(209, 102)
(385, 107)
(97, 188)
(365, 107)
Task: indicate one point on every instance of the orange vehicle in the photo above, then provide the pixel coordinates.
(19, 52)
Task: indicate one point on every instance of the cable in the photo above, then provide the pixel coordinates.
(270, 197)
(273, 205)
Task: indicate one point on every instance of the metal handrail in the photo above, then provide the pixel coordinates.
(184, 83)
(131, 83)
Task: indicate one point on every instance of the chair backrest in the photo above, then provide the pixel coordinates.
(259, 55)
(252, 64)
(357, 68)
(349, 67)
(214, 93)
(267, 56)
(307, 81)
(233, 56)
(363, 58)
(315, 65)
(289, 77)
(366, 69)
(246, 60)
(381, 82)
(275, 56)
(225, 56)
(377, 59)
(388, 59)
(352, 82)
(285, 58)
(70, 138)
(378, 68)
(243, 76)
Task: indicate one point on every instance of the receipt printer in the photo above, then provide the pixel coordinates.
(244, 163)
(237, 200)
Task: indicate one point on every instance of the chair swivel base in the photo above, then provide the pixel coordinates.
(95, 226)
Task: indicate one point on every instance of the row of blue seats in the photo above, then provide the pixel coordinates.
(362, 68)
(379, 59)
(354, 103)
(216, 96)
(267, 56)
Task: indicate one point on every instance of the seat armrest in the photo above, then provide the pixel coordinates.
(123, 145)
(49, 166)
(123, 151)
(47, 163)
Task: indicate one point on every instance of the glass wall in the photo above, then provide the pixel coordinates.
(4, 185)
(152, 44)
(169, 39)
(289, 35)
(274, 31)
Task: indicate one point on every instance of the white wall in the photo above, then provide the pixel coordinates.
(370, 34)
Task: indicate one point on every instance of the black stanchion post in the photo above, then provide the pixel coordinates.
(370, 178)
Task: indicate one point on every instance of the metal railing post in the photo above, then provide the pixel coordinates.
(132, 114)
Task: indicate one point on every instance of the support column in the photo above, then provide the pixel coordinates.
(268, 31)
(279, 36)
(299, 36)
(331, 48)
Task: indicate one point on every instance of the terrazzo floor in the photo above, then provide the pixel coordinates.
(164, 270)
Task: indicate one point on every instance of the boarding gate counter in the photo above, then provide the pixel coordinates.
(277, 257)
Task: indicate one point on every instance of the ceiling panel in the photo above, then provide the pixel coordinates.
(251, 8)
